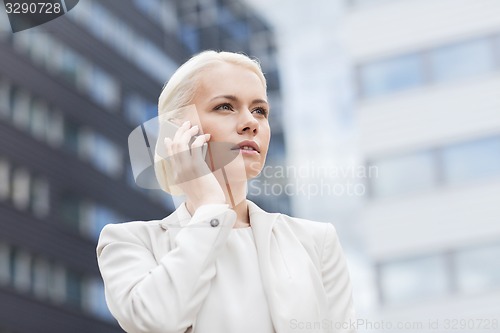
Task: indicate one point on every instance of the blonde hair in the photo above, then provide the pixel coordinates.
(179, 92)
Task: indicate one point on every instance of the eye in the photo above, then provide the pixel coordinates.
(225, 106)
(261, 111)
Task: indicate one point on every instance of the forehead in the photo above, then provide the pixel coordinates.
(226, 78)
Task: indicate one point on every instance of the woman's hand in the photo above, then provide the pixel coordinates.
(189, 169)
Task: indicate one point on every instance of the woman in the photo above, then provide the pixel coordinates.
(219, 263)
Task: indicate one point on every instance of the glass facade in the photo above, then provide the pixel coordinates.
(404, 174)
(391, 75)
(87, 217)
(138, 110)
(447, 63)
(46, 124)
(25, 189)
(477, 269)
(424, 170)
(466, 270)
(471, 160)
(462, 60)
(61, 60)
(414, 279)
(49, 281)
(54, 197)
(137, 48)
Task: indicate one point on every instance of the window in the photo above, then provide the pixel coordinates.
(22, 270)
(86, 216)
(107, 156)
(95, 217)
(4, 179)
(391, 75)
(443, 64)
(5, 265)
(39, 116)
(168, 17)
(471, 160)
(57, 284)
(4, 99)
(139, 110)
(413, 279)
(190, 37)
(55, 129)
(43, 51)
(70, 211)
(477, 268)
(73, 288)
(232, 25)
(41, 197)
(94, 300)
(152, 8)
(103, 88)
(21, 188)
(41, 277)
(72, 136)
(462, 60)
(497, 49)
(404, 174)
(21, 109)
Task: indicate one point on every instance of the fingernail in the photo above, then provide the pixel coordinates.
(186, 123)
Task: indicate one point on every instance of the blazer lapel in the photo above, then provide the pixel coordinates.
(293, 286)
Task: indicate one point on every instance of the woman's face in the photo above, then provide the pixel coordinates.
(232, 106)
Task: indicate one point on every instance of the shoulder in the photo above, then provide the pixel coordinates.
(139, 232)
(314, 228)
(310, 231)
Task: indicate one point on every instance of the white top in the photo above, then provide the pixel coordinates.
(237, 271)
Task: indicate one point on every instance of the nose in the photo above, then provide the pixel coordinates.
(248, 123)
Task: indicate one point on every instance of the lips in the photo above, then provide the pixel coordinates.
(247, 145)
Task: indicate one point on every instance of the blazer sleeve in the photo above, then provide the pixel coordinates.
(337, 283)
(146, 295)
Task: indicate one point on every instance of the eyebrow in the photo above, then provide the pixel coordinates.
(235, 99)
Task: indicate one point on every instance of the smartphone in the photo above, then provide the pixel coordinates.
(146, 145)
(168, 130)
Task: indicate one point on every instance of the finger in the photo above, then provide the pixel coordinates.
(197, 146)
(187, 136)
(179, 144)
(168, 146)
(183, 148)
(185, 126)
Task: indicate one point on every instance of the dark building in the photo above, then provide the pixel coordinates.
(71, 91)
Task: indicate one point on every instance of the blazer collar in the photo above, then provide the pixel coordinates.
(259, 218)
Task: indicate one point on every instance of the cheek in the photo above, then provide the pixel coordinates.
(267, 138)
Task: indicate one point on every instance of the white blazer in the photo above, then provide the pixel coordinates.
(157, 273)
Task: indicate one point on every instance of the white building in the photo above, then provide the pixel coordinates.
(427, 74)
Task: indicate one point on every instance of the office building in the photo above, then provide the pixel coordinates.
(427, 76)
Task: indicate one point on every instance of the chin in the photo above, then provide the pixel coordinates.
(253, 170)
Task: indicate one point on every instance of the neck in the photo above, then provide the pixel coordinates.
(236, 199)
(235, 194)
